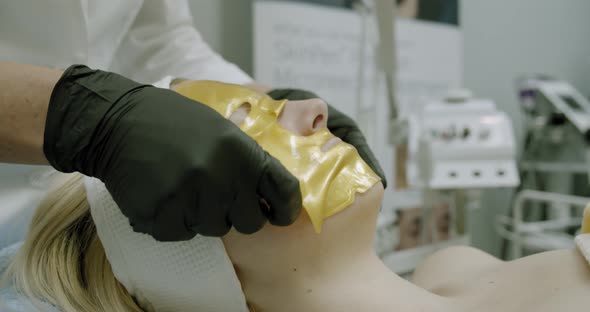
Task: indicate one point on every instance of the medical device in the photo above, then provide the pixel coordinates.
(454, 144)
(463, 143)
(385, 15)
(545, 213)
(552, 105)
(548, 97)
(457, 146)
(540, 235)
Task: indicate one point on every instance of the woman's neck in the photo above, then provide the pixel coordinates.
(296, 269)
(362, 284)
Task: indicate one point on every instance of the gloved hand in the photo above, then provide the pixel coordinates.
(340, 125)
(174, 166)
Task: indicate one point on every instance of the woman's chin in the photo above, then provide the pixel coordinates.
(363, 210)
(364, 207)
(372, 197)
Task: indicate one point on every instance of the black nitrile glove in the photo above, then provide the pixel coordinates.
(339, 124)
(174, 166)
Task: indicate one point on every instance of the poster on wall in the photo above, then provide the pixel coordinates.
(332, 51)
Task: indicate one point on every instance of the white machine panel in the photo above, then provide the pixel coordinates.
(569, 101)
(469, 144)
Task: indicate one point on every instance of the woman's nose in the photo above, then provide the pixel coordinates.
(305, 117)
(317, 118)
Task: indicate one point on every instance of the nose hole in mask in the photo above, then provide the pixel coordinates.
(240, 114)
(317, 122)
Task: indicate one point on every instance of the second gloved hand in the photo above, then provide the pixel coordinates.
(175, 167)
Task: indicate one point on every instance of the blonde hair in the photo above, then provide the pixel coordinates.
(62, 261)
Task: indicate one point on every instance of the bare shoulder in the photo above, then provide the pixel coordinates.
(566, 264)
(447, 268)
(550, 281)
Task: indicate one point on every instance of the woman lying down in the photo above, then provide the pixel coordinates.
(82, 255)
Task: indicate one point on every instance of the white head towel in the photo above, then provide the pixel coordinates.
(194, 275)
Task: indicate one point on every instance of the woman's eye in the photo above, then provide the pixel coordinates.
(240, 114)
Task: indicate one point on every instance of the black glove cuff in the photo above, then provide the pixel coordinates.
(79, 102)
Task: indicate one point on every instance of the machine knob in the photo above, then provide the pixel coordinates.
(465, 134)
(557, 119)
(449, 133)
(484, 134)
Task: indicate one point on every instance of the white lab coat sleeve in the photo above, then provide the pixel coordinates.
(162, 41)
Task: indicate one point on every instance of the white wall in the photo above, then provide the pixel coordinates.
(505, 38)
(227, 26)
(207, 15)
(502, 39)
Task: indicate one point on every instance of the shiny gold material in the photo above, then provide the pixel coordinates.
(586, 220)
(328, 180)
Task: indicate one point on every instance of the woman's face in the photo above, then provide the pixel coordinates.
(295, 133)
(330, 172)
(261, 257)
(304, 118)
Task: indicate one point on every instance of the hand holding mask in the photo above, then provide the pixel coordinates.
(174, 167)
(330, 171)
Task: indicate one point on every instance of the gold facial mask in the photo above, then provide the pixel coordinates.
(586, 220)
(328, 180)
